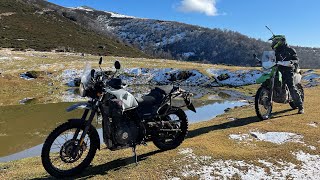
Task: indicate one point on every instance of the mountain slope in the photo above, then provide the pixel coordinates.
(175, 40)
(31, 24)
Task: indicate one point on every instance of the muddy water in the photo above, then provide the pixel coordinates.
(25, 127)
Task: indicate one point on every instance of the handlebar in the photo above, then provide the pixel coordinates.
(286, 63)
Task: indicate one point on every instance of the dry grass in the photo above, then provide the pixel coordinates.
(34, 60)
(209, 138)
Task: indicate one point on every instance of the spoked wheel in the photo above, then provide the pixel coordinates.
(174, 130)
(263, 105)
(62, 155)
(301, 93)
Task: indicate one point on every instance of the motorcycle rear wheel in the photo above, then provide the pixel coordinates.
(170, 140)
(301, 93)
(61, 154)
(263, 106)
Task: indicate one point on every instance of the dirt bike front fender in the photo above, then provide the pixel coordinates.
(263, 78)
(267, 76)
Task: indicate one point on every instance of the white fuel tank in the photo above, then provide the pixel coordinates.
(128, 100)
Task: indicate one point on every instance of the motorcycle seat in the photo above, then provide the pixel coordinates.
(155, 96)
(164, 89)
(147, 100)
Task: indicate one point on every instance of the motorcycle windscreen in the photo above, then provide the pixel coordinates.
(268, 59)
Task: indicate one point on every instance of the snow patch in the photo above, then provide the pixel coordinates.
(3, 134)
(236, 78)
(312, 148)
(116, 15)
(278, 137)
(5, 58)
(104, 20)
(6, 14)
(188, 54)
(273, 137)
(239, 137)
(185, 151)
(311, 77)
(166, 76)
(26, 100)
(208, 168)
(313, 124)
(83, 8)
(25, 77)
(171, 40)
(68, 76)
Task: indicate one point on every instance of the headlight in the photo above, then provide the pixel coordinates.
(82, 90)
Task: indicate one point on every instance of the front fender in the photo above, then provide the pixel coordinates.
(189, 104)
(92, 129)
(82, 105)
(263, 78)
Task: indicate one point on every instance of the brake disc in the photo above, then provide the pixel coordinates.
(67, 151)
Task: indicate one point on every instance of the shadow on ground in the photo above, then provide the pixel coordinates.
(103, 169)
(232, 124)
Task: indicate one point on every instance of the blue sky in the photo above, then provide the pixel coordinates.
(297, 19)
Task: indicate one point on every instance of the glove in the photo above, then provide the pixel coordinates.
(285, 63)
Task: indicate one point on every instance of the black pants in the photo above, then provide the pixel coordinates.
(287, 77)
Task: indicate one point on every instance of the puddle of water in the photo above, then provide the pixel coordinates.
(211, 111)
(31, 152)
(27, 100)
(36, 150)
(39, 133)
(25, 126)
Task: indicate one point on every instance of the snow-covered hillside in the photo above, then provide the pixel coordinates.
(168, 39)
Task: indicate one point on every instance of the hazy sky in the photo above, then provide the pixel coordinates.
(297, 19)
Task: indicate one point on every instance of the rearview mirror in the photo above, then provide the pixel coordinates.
(100, 61)
(117, 65)
(254, 56)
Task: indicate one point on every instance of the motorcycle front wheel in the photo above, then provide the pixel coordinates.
(174, 131)
(263, 106)
(61, 156)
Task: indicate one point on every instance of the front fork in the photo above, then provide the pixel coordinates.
(87, 126)
(272, 85)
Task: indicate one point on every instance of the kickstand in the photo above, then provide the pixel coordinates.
(135, 154)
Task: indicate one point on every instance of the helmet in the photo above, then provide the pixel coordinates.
(278, 41)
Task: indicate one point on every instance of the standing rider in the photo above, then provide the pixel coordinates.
(285, 53)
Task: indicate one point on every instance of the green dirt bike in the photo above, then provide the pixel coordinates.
(272, 88)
